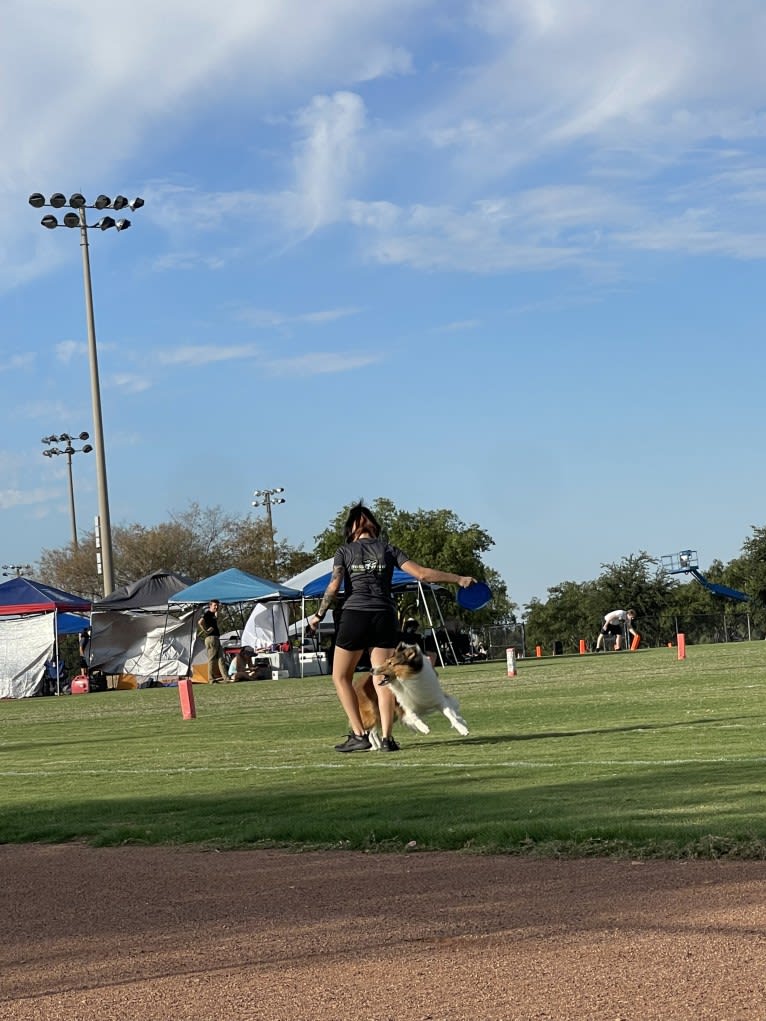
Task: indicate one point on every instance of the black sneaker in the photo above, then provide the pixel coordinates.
(387, 744)
(354, 743)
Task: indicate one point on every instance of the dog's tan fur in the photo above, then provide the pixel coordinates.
(369, 710)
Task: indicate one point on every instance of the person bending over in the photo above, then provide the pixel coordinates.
(615, 624)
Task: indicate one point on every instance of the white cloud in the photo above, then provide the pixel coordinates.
(24, 498)
(131, 382)
(263, 318)
(205, 354)
(320, 363)
(17, 361)
(66, 350)
(328, 157)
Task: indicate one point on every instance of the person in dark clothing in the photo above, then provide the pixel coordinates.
(84, 649)
(365, 564)
(216, 658)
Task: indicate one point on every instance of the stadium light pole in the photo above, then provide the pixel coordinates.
(265, 498)
(78, 203)
(15, 570)
(70, 451)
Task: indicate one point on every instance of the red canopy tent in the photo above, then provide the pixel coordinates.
(28, 632)
(20, 596)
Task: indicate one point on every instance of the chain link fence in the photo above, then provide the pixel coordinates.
(727, 625)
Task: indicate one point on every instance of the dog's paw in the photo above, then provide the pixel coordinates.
(415, 723)
(456, 721)
(374, 737)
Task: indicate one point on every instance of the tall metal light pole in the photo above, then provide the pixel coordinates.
(265, 498)
(69, 450)
(17, 570)
(78, 203)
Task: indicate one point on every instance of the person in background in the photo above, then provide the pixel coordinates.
(54, 679)
(410, 633)
(243, 666)
(84, 649)
(615, 623)
(217, 669)
(364, 565)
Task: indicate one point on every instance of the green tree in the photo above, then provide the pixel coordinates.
(197, 542)
(568, 615)
(636, 582)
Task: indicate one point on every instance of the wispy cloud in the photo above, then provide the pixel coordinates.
(459, 326)
(24, 498)
(18, 361)
(263, 318)
(205, 354)
(320, 363)
(328, 157)
(66, 350)
(131, 382)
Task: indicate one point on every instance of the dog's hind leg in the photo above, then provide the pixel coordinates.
(456, 720)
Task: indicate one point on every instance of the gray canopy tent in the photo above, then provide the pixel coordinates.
(132, 635)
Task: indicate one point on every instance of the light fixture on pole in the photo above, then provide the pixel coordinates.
(266, 498)
(15, 570)
(78, 203)
(69, 450)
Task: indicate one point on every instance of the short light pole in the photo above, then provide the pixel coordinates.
(75, 219)
(265, 498)
(15, 570)
(70, 451)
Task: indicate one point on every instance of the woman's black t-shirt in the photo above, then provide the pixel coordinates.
(368, 567)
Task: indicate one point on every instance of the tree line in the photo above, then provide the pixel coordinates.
(200, 542)
(663, 603)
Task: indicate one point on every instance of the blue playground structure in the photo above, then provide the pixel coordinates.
(686, 562)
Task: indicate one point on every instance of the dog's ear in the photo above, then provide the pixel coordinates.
(411, 652)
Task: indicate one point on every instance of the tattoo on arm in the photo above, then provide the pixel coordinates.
(329, 593)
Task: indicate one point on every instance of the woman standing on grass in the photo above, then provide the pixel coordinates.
(365, 564)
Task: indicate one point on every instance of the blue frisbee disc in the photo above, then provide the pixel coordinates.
(475, 597)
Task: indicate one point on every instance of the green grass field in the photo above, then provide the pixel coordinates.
(617, 754)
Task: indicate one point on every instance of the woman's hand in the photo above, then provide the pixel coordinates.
(465, 581)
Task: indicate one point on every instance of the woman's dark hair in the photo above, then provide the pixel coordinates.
(360, 515)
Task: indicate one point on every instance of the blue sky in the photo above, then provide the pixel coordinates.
(501, 257)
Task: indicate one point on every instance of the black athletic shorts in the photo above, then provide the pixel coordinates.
(360, 629)
(613, 629)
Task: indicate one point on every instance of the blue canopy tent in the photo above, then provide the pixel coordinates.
(71, 623)
(232, 587)
(314, 580)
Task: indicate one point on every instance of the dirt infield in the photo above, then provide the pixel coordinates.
(166, 934)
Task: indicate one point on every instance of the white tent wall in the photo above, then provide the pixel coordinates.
(25, 644)
(141, 645)
(266, 626)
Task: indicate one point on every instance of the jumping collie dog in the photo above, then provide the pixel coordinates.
(415, 683)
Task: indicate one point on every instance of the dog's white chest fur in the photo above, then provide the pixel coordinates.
(421, 693)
